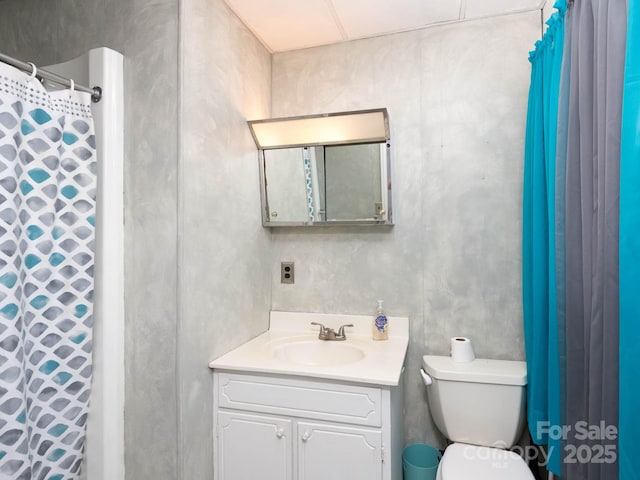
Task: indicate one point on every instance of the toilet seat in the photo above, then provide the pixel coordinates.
(465, 462)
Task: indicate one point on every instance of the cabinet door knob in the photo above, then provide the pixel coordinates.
(306, 436)
(280, 433)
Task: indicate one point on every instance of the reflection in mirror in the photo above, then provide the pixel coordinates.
(291, 196)
(352, 181)
(327, 184)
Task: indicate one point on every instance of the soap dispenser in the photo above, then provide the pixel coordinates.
(380, 324)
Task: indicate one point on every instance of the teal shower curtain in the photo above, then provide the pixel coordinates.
(581, 239)
(47, 224)
(629, 463)
(539, 274)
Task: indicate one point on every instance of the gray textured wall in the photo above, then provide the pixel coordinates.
(225, 273)
(457, 98)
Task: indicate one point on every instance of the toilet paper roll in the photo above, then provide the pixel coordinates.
(462, 350)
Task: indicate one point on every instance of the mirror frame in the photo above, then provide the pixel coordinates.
(361, 136)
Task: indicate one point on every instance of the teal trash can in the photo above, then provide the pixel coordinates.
(420, 462)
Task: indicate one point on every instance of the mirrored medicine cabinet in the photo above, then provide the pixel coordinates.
(328, 169)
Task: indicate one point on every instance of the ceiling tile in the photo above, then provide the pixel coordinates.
(285, 25)
(487, 8)
(366, 18)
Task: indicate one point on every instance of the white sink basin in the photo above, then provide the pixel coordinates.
(317, 352)
(291, 347)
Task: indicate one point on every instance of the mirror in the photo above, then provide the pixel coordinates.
(326, 183)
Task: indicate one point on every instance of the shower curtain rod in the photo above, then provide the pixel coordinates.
(96, 92)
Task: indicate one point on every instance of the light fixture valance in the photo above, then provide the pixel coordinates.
(362, 126)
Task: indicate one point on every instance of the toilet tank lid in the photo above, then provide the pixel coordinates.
(500, 372)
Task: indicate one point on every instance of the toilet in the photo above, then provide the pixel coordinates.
(480, 407)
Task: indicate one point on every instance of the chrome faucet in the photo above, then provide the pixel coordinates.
(330, 333)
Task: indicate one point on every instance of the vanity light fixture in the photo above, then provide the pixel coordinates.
(363, 126)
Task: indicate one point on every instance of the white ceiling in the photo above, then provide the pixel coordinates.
(283, 25)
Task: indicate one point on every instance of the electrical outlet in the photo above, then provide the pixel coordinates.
(287, 272)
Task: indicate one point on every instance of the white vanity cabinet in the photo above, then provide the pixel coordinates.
(331, 451)
(282, 427)
(253, 446)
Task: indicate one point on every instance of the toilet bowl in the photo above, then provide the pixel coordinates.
(472, 462)
(478, 405)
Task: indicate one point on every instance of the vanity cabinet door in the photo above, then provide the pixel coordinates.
(253, 447)
(338, 452)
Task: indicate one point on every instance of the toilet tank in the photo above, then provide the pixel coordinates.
(480, 402)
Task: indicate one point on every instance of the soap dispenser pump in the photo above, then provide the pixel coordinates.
(380, 324)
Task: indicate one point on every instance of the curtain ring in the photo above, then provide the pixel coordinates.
(34, 71)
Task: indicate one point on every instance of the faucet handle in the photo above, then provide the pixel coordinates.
(341, 329)
(323, 329)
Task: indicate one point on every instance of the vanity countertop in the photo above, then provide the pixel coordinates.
(381, 362)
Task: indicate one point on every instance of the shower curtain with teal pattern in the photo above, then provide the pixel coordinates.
(47, 225)
(581, 241)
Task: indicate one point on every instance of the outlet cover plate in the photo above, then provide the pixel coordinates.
(287, 272)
